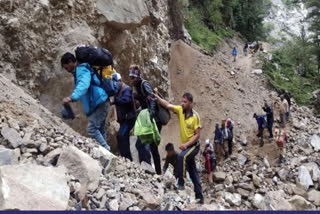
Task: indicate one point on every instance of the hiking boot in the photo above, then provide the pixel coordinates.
(261, 144)
(200, 201)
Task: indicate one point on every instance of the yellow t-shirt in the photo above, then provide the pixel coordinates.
(188, 125)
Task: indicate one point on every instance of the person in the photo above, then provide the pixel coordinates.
(268, 109)
(234, 54)
(230, 139)
(190, 126)
(210, 159)
(245, 49)
(288, 96)
(281, 139)
(126, 116)
(218, 146)
(94, 99)
(226, 135)
(147, 100)
(260, 122)
(172, 158)
(283, 111)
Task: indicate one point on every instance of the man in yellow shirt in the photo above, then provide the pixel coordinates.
(190, 126)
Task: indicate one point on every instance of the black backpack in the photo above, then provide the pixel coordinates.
(94, 56)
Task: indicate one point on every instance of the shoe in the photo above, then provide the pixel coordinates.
(200, 201)
(180, 188)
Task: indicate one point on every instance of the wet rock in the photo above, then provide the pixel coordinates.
(9, 156)
(32, 187)
(219, 176)
(233, 199)
(315, 142)
(305, 178)
(81, 166)
(299, 203)
(12, 136)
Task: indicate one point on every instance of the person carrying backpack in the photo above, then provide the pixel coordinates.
(268, 109)
(245, 49)
(210, 159)
(261, 125)
(281, 139)
(147, 100)
(126, 116)
(234, 53)
(218, 143)
(226, 135)
(94, 99)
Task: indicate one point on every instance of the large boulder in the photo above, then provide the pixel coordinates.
(81, 166)
(305, 178)
(299, 203)
(12, 136)
(275, 200)
(123, 14)
(9, 156)
(315, 142)
(106, 158)
(33, 187)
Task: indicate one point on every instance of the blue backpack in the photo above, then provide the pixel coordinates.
(110, 86)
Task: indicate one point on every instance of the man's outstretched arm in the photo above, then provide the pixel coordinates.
(164, 103)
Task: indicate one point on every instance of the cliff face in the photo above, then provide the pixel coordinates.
(34, 35)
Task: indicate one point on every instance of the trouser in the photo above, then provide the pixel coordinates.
(230, 146)
(270, 126)
(219, 151)
(144, 152)
(97, 124)
(225, 147)
(283, 120)
(288, 114)
(187, 158)
(234, 58)
(123, 138)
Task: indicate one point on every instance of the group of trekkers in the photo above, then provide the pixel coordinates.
(254, 47)
(91, 89)
(266, 122)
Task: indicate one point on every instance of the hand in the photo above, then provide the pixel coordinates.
(182, 147)
(66, 100)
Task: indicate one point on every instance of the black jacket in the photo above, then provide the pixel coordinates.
(124, 104)
(269, 113)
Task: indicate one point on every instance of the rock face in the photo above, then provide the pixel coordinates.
(32, 187)
(81, 166)
(123, 14)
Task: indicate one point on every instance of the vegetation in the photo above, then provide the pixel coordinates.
(208, 21)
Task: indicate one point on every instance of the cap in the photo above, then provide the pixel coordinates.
(118, 76)
(134, 72)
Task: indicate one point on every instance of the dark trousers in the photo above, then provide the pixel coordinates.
(186, 161)
(123, 138)
(144, 153)
(270, 125)
(230, 146)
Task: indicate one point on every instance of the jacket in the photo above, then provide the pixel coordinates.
(146, 98)
(173, 160)
(226, 133)
(260, 121)
(87, 89)
(124, 104)
(269, 113)
(218, 136)
(284, 106)
(234, 52)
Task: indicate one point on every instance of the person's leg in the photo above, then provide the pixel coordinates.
(261, 136)
(225, 148)
(182, 165)
(156, 157)
(143, 152)
(270, 126)
(96, 124)
(123, 139)
(230, 146)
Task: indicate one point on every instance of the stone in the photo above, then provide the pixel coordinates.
(111, 193)
(106, 158)
(314, 171)
(283, 174)
(244, 193)
(299, 190)
(257, 71)
(52, 157)
(114, 205)
(33, 187)
(256, 180)
(315, 142)
(314, 197)
(243, 140)
(81, 166)
(147, 168)
(9, 156)
(219, 176)
(233, 198)
(266, 162)
(258, 202)
(44, 148)
(127, 201)
(100, 194)
(242, 159)
(275, 200)
(246, 186)
(304, 177)
(299, 203)
(150, 199)
(122, 14)
(12, 136)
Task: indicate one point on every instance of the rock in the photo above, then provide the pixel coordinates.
(122, 14)
(100, 194)
(314, 197)
(258, 202)
(314, 171)
(244, 193)
(9, 156)
(44, 148)
(111, 193)
(256, 180)
(283, 174)
(246, 186)
(113, 204)
(233, 199)
(299, 190)
(266, 162)
(243, 140)
(256, 71)
(127, 201)
(315, 142)
(242, 159)
(219, 176)
(275, 200)
(150, 199)
(81, 166)
(33, 187)
(147, 168)
(305, 178)
(106, 158)
(299, 203)
(12, 136)
(52, 157)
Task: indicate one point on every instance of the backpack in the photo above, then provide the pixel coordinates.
(100, 61)
(163, 114)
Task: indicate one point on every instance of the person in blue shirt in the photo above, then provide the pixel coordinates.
(94, 99)
(260, 121)
(218, 143)
(234, 53)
